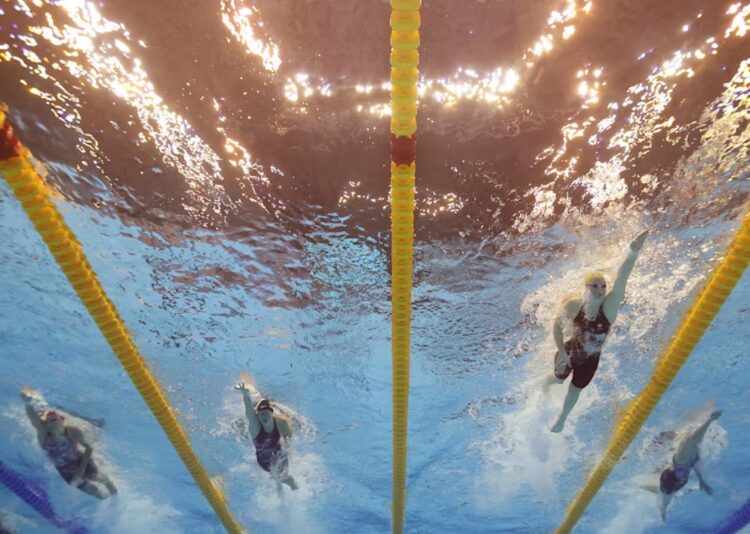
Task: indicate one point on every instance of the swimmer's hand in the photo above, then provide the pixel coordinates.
(715, 415)
(563, 361)
(705, 487)
(247, 378)
(240, 386)
(28, 395)
(637, 243)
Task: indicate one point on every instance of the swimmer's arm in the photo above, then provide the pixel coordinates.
(96, 422)
(569, 311)
(252, 418)
(702, 482)
(688, 448)
(284, 426)
(615, 297)
(34, 418)
(76, 435)
(700, 432)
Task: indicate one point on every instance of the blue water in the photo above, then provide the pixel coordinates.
(240, 224)
(480, 457)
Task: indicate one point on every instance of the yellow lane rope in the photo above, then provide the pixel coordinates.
(404, 21)
(31, 191)
(695, 322)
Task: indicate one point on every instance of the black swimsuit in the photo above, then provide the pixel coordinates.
(268, 449)
(584, 348)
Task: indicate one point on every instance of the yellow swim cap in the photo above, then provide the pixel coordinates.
(592, 277)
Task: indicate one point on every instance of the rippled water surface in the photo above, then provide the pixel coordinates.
(225, 165)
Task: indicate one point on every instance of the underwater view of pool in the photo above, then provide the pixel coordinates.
(225, 167)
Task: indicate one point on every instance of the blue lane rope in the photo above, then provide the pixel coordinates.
(35, 496)
(736, 521)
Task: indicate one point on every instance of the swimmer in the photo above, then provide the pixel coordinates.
(269, 433)
(592, 317)
(684, 460)
(67, 447)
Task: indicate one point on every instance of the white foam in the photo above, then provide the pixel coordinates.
(130, 511)
(637, 509)
(277, 505)
(524, 454)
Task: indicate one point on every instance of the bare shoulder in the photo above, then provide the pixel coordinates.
(74, 433)
(284, 425)
(571, 307)
(283, 419)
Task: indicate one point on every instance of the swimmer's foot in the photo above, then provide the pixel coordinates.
(558, 426)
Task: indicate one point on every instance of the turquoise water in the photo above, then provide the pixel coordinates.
(236, 214)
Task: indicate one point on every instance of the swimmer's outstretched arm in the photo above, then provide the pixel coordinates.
(34, 418)
(615, 297)
(31, 413)
(688, 448)
(252, 418)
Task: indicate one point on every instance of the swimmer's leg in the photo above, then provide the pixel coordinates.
(92, 489)
(570, 401)
(280, 470)
(104, 479)
(289, 481)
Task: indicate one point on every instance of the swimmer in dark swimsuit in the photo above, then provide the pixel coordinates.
(686, 459)
(66, 446)
(591, 317)
(269, 433)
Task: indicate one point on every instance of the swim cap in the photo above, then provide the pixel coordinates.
(51, 415)
(593, 277)
(263, 405)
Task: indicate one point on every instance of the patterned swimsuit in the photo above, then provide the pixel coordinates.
(268, 450)
(66, 455)
(584, 348)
